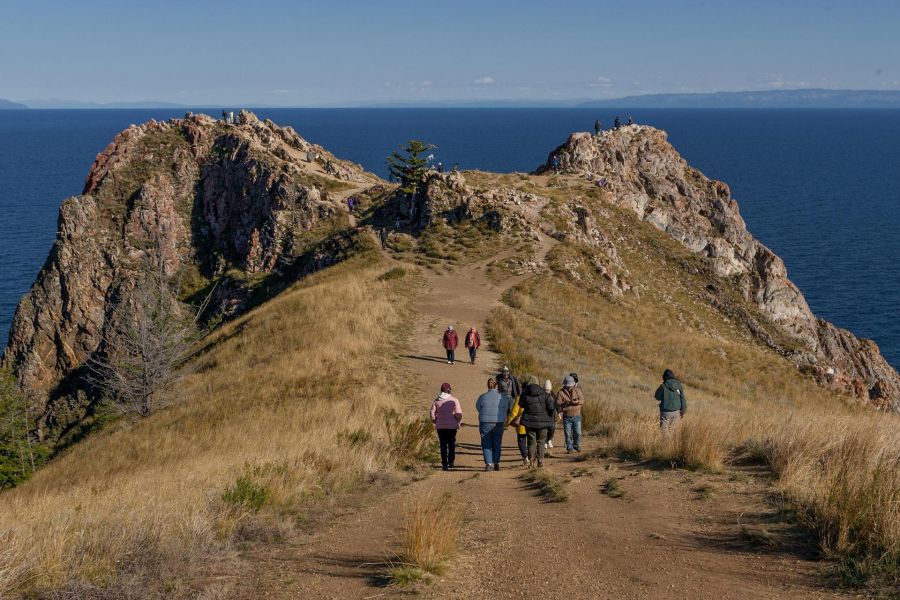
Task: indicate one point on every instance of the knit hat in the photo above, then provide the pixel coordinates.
(445, 388)
(449, 327)
(569, 381)
(574, 376)
(548, 385)
(532, 380)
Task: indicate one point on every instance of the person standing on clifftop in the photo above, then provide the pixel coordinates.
(383, 236)
(672, 403)
(598, 127)
(473, 343)
(446, 414)
(450, 342)
(630, 120)
(617, 123)
(555, 164)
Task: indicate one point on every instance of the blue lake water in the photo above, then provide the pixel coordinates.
(820, 187)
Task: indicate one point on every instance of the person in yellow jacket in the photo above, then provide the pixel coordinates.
(514, 419)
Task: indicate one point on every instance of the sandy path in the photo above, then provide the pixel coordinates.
(660, 541)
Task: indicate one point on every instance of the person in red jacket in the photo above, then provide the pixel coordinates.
(473, 343)
(450, 341)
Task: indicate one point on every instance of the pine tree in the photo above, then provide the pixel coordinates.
(408, 165)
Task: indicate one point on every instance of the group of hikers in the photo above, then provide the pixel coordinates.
(450, 341)
(531, 409)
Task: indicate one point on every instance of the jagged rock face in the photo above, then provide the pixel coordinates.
(641, 171)
(193, 195)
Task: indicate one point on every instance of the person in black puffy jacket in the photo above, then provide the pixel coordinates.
(538, 412)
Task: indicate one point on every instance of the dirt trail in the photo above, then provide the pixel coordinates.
(662, 540)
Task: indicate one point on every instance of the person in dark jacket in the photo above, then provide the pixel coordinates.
(538, 412)
(616, 122)
(473, 343)
(450, 342)
(507, 384)
(672, 403)
(598, 127)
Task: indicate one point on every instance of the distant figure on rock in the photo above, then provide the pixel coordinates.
(473, 343)
(672, 403)
(455, 168)
(446, 414)
(538, 413)
(630, 120)
(569, 402)
(555, 164)
(493, 409)
(617, 123)
(508, 384)
(440, 167)
(450, 342)
(383, 236)
(598, 127)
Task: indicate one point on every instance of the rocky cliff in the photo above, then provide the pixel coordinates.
(209, 201)
(232, 207)
(638, 169)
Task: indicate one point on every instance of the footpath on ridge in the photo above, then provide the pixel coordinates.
(658, 542)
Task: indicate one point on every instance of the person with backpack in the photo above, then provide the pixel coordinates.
(672, 403)
(450, 341)
(598, 127)
(508, 384)
(446, 414)
(493, 409)
(473, 343)
(515, 421)
(538, 413)
(569, 402)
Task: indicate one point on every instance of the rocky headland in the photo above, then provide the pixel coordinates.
(231, 208)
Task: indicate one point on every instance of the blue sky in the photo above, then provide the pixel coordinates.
(348, 51)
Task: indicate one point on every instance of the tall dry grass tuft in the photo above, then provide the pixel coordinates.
(431, 527)
(286, 406)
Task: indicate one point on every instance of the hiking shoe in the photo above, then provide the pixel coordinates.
(568, 451)
(449, 363)
(540, 464)
(451, 466)
(526, 462)
(549, 443)
(488, 467)
(496, 466)
(445, 468)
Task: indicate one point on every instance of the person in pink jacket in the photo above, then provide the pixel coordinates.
(446, 414)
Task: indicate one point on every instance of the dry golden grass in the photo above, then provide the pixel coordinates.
(836, 462)
(288, 405)
(431, 526)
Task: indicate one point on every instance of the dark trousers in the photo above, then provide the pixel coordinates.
(447, 437)
(550, 431)
(522, 440)
(451, 355)
(536, 439)
(472, 352)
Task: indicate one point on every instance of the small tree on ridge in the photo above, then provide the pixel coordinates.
(408, 165)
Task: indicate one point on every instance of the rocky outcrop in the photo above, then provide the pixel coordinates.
(205, 200)
(635, 167)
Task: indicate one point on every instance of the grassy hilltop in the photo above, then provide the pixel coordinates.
(302, 406)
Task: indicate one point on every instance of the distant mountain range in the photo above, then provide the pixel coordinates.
(6, 104)
(805, 98)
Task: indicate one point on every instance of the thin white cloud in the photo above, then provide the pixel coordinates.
(600, 82)
(486, 80)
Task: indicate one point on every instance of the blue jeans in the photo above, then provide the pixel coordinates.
(572, 427)
(451, 355)
(491, 441)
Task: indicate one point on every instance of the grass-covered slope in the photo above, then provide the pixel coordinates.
(291, 402)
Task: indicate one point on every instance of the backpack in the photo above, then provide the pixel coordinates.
(671, 398)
